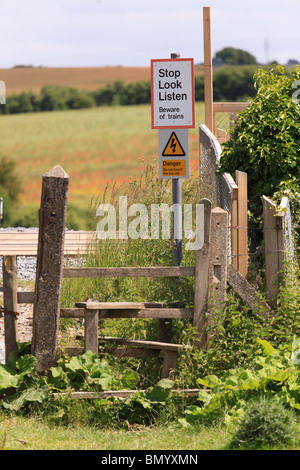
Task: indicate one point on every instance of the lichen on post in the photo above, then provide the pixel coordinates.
(50, 258)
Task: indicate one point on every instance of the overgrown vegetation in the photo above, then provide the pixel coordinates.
(249, 358)
(266, 139)
(252, 368)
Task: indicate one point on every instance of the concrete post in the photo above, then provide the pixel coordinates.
(46, 311)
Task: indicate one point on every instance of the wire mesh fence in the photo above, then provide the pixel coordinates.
(219, 189)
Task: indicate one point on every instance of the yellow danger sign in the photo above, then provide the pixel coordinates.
(173, 147)
(173, 168)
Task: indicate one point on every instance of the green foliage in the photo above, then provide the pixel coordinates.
(9, 180)
(267, 423)
(76, 373)
(231, 83)
(266, 139)
(55, 97)
(233, 56)
(273, 374)
(10, 188)
(234, 83)
(23, 390)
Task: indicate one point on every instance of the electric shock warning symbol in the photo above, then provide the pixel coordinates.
(173, 147)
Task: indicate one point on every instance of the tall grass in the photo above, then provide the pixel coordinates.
(148, 189)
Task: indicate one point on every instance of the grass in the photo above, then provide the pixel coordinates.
(95, 147)
(19, 433)
(30, 434)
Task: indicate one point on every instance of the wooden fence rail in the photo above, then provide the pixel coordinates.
(212, 271)
(278, 245)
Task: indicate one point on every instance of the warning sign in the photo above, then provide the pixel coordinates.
(173, 147)
(173, 168)
(172, 93)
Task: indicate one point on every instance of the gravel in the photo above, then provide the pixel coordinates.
(26, 265)
(26, 271)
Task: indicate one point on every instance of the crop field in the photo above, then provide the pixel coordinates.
(96, 147)
(20, 79)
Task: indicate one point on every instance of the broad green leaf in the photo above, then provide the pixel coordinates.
(160, 391)
(16, 401)
(7, 379)
(267, 347)
(130, 379)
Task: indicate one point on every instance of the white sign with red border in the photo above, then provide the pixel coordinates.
(172, 93)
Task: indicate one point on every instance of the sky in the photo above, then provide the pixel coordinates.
(81, 33)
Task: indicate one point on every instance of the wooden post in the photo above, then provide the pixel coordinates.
(10, 304)
(91, 331)
(217, 270)
(201, 279)
(274, 249)
(208, 70)
(222, 136)
(242, 222)
(46, 311)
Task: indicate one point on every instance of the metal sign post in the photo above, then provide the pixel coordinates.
(173, 109)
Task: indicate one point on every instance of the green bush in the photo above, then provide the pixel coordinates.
(267, 423)
(234, 83)
(266, 138)
(25, 102)
(10, 188)
(55, 98)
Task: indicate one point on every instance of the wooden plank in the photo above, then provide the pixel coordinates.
(73, 351)
(111, 305)
(9, 273)
(72, 312)
(271, 250)
(208, 70)
(25, 297)
(201, 277)
(166, 313)
(26, 243)
(169, 363)
(91, 332)
(234, 218)
(132, 352)
(249, 295)
(193, 392)
(242, 222)
(142, 343)
(222, 136)
(231, 107)
(111, 272)
(234, 233)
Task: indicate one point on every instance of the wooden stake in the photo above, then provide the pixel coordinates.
(242, 222)
(208, 71)
(201, 279)
(273, 263)
(10, 304)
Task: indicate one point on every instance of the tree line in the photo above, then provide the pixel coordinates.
(230, 84)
